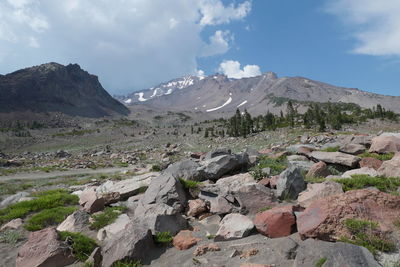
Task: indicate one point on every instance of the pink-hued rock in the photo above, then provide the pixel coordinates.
(273, 181)
(362, 171)
(265, 182)
(276, 222)
(390, 168)
(385, 144)
(90, 201)
(318, 191)
(336, 158)
(13, 224)
(184, 240)
(319, 169)
(324, 218)
(196, 207)
(371, 163)
(45, 250)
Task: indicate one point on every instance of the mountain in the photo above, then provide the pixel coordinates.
(53, 87)
(219, 95)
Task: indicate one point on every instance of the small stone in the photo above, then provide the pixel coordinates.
(184, 240)
(196, 207)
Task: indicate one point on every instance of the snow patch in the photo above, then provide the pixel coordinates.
(128, 101)
(226, 103)
(241, 104)
(141, 98)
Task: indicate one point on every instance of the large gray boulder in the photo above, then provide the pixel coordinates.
(135, 242)
(353, 149)
(218, 166)
(186, 169)
(336, 254)
(290, 183)
(336, 158)
(254, 197)
(218, 152)
(13, 199)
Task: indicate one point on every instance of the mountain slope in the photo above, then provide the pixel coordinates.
(53, 87)
(219, 95)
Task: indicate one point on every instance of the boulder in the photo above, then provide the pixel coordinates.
(135, 242)
(95, 258)
(218, 152)
(353, 149)
(112, 229)
(76, 222)
(371, 163)
(336, 158)
(318, 191)
(336, 254)
(218, 204)
(186, 169)
(45, 250)
(385, 144)
(90, 202)
(184, 240)
(13, 224)
(276, 222)
(362, 171)
(126, 188)
(324, 218)
(13, 199)
(218, 166)
(390, 168)
(302, 164)
(234, 226)
(253, 197)
(290, 183)
(319, 169)
(196, 207)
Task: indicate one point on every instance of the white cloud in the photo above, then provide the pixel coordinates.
(232, 70)
(218, 44)
(129, 44)
(375, 24)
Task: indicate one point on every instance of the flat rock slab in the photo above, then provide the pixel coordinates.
(336, 158)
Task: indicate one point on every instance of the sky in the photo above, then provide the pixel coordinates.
(136, 44)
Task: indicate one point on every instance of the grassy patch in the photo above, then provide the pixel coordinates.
(362, 181)
(313, 180)
(265, 208)
(74, 133)
(10, 236)
(320, 262)
(210, 236)
(127, 263)
(331, 149)
(163, 238)
(48, 217)
(82, 246)
(108, 216)
(156, 168)
(365, 233)
(45, 200)
(257, 173)
(188, 184)
(382, 157)
(10, 188)
(277, 165)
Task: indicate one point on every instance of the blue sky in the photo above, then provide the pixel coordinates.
(135, 44)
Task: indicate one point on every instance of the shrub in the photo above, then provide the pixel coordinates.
(163, 238)
(48, 217)
(10, 237)
(82, 246)
(188, 184)
(364, 233)
(108, 216)
(362, 181)
(257, 173)
(155, 168)
(44, 200)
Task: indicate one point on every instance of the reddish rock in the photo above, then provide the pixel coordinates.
(324, 218)
(318, 191)
(264, 181)
(385, 144)
(319, 169)
(184, 240)
(371, 163)
(273, 181)
(390, 168)
(304, 151)
(276, 222)
(45, 250)
(196, 207)
(201, 250)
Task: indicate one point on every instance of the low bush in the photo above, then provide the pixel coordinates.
(163, 238)
(48, 217)
(362, 181)
(108, 216)
(82, 246)
(188, 184)
(277, 165)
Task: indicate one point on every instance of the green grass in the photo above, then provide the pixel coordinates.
(155, 168)
(82, 246)
(163, 238)
(11, 188)
(48, 217)
(320, 262)
(362, 181)
(382, 157)
(313, 180)
(365, 233)
(10, 236)
(265, 209)
(108, 216)
(331, 149)
(188, 184)
(45, 200)
(277, 165)
(127, 263)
